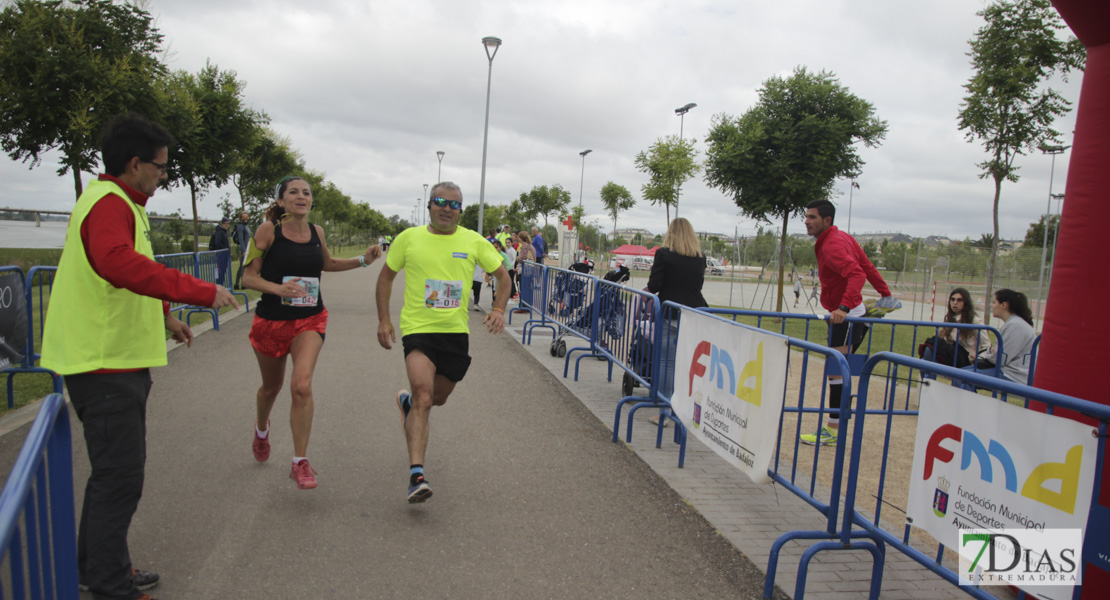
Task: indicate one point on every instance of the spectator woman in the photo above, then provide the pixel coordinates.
(1012, 308)
(285, 264)
(677, 275)
(526, 252)
(679, 268)
(961, 309)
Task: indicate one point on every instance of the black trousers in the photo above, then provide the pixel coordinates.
(477, 289)
(239, 275)
(112, 410)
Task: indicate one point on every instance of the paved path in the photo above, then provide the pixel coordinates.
(531, 500)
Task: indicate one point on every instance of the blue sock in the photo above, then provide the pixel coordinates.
(414, 472)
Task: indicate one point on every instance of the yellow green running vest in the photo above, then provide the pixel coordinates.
(91, 324)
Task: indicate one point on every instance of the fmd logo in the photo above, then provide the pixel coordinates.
(720, 364)
(972, 449)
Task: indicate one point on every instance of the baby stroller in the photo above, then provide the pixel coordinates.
(611, 312)
(639, 355)
(569, 300)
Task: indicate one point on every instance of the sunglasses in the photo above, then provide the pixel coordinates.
(445, 203)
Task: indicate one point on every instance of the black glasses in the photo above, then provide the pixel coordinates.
(445, 203)
(161, 166)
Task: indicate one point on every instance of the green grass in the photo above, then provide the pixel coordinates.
(25, 258)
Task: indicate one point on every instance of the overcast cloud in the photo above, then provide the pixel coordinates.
(368, 91)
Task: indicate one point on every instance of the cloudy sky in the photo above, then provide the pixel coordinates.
(369, 90)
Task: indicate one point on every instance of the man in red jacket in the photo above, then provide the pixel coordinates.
(842, 268)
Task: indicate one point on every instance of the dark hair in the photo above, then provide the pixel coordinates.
(274, 211)
(1017, 303)
(128, 135)
(824, 208)
(967, 315)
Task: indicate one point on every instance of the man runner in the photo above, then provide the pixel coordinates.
(438, 260)
(842, 267)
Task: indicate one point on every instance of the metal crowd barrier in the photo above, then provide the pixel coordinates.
(533, 298)
(870, 525)
(570, 304)
(38, 531)
(189, 264)
(25, 292)
(208, 267)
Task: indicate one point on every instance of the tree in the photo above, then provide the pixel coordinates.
(669, 162)
(258, 170)
(871, 249)
(1009, 109)
(1035, 235)
(205, 113)
(790, 148)
(616, 198)
(66, 68)
(545, 201)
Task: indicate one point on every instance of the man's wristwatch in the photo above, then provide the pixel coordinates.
(847, 309)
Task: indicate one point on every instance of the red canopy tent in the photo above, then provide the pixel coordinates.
(632, 250)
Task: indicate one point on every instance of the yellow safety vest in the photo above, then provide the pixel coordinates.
(91, 324)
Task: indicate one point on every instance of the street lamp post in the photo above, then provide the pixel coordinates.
(582, 181)
(681, 112)
(851, 187)
(439, 173)
(1053, 150)
(488, 43)
(425, 195)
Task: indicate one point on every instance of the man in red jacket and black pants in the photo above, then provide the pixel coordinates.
(842, 268)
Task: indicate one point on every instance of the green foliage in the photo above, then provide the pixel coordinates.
(68, 67)
(205, 112)
(258, 170)
(790, 148)
(187, 244)
(871, 249)
(1009, 109)
(616, 198)
(1035, 235)
(545, 202)
(162, 243)
(669, 162)
(895, 256)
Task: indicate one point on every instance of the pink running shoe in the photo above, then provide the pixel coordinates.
(261, 446)
(304, 475)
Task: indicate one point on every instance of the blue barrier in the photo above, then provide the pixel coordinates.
(42, 554)
(188, 263)
(570, 304)
(533, 298)
(209, 269)
(24, 291)
(872, 527)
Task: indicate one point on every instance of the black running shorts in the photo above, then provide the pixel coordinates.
(449, 352)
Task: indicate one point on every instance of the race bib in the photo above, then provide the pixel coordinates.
(442, 294)
(310, 285)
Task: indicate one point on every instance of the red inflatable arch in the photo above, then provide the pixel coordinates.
(1073, 348)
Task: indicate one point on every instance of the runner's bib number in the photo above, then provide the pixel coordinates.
(442, 294)
(310, 285)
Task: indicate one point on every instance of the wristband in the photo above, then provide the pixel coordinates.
(362, 261)
(845, 308)
(500, 310)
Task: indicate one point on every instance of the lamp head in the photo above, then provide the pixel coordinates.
(584, 152)
(684, 109)
(439, 154)
(491, 43)
(1053, 149)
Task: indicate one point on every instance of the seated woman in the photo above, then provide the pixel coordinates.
(1017, 340)
(971, 341)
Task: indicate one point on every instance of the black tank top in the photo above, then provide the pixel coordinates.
(286, 259)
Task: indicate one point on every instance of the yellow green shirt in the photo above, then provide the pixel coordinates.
(439, 270)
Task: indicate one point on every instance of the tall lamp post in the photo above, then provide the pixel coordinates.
(852, 186)
(488, 43)
(582, 181)
(425, 195)
(681, 112)
(1053, 150)
(439, 173)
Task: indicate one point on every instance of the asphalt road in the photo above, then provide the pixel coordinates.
(531, 499)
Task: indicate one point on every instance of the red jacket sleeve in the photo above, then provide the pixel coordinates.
(843, 261)
(108, 235)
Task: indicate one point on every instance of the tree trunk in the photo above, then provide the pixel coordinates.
(667, 204)
(77, 181)
(782, 259)
(196, 223)
(994, 253)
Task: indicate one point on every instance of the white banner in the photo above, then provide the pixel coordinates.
(980, 463)
(729, 383)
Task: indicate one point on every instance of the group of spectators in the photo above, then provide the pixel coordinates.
(515, 248)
